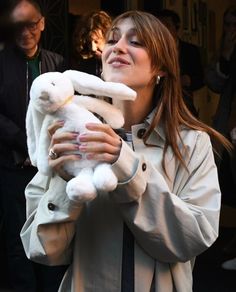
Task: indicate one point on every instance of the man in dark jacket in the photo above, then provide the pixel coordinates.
(19, 65)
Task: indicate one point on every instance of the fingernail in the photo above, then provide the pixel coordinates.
(83, 147)
(90, 156)
(75, 135)
(81, 137)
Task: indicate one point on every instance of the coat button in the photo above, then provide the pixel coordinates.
(51, 206)
(141, 133)
(144, 166)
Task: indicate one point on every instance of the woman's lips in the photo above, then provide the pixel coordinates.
(118, 62)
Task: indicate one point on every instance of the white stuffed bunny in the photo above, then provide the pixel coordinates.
(52, 98)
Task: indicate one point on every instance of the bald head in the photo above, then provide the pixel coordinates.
(25, 9)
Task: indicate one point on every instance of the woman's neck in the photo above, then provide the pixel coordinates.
(135, 111)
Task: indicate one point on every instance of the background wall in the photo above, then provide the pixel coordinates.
(83, 6)
(204, 19)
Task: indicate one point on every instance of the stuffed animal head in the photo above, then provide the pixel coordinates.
(50, 91)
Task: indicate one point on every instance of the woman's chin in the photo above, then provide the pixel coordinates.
(117, 79)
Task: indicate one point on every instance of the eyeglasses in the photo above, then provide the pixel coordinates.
(29, 25)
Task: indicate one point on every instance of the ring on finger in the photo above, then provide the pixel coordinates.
(53, 155)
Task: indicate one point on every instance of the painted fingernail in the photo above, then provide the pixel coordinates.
(81, 137)
(83, 147)
(90, 156)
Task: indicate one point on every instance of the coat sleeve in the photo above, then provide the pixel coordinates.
(170, 224)
(50, 226)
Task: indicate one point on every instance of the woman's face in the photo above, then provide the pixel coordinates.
(125, 59)
(97, 43)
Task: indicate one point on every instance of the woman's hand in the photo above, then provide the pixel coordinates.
(101, 143)
(61, 143)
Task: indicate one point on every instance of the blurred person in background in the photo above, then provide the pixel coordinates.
(221, 78)
(88, 41)
(191, 69)
(20, 62)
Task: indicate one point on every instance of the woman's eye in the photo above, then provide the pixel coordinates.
(136, 43)
(111, 41)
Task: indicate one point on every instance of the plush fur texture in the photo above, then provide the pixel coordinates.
(52, 97)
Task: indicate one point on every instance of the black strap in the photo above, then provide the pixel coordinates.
(127, 280)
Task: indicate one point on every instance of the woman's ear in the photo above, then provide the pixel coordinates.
(157, 76)
(161, 73)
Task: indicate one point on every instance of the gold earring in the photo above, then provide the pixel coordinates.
(158, 79)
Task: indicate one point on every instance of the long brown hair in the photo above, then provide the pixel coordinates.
(171, 110)
(89, 23)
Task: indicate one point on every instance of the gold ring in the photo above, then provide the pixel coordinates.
(52, 154)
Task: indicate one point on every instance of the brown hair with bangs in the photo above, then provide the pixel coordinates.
(86, 25)
(171, 110)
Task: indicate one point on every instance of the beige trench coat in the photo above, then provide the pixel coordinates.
(173, 219)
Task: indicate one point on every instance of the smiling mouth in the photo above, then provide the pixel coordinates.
(118, 62)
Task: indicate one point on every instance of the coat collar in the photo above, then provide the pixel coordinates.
(158, 130)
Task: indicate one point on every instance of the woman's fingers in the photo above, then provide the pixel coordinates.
(100, 133)
(100, 147)
(100, 143)
(63, 148)
(58, 164)
(60, 137)
(103, 157)
(55, 126)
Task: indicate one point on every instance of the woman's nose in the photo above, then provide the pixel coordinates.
(120, 46)
(93, 46)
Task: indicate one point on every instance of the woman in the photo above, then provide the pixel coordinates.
(145, 235)
(88, 40)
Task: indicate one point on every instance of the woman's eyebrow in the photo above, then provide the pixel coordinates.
(132, 30)
(115, 29)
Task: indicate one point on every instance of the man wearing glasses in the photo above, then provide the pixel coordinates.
(20, 63)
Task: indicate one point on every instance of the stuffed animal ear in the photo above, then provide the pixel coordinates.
(34, 121)
(89, 84)
(112, 115)
(37, 144)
